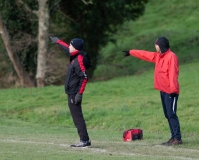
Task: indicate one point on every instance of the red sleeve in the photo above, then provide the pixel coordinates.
(64, 46)
(62, 43)
(173, 74)
(82, 74)
(144, 55)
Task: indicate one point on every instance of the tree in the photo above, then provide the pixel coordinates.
(95, 20)
(26, 80)
(42, 13)
(43, 26)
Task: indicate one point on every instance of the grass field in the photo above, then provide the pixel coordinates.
(27, 141)
(35, 123)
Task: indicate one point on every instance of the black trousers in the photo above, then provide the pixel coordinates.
(170, 108)
(78, 118)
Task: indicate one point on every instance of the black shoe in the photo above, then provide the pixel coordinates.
(168, 142)
(82, 144)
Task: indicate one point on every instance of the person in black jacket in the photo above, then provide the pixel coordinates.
(75, 83)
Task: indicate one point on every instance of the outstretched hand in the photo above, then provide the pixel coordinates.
(126, 53)
(54, 39)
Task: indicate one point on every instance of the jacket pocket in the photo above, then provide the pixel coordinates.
(164, 78)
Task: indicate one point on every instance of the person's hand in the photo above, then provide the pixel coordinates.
(78, 98)
(126, 53)
(54, 39)
(172, 95)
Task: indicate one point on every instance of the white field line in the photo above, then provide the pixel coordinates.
(33, 142)
(95, 150)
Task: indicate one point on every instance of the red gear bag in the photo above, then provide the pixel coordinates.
(132, 134)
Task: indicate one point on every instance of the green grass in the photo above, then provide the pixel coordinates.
(36, 124)
(175, 19)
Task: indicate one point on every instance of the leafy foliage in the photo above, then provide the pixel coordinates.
(18, 20)
(22, 28)
(92, 21)
(95, 20)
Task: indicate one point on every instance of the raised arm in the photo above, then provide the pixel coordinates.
(142, 54)
(62, 44)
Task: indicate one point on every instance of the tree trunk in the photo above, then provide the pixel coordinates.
(25, 78)
(43, 19)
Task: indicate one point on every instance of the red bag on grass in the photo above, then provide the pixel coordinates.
(132, 134)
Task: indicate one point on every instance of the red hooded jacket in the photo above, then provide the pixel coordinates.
(166, 69)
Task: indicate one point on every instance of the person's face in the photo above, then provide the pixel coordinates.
(157, 48)
(71, 48)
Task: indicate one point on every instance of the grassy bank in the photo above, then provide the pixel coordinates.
(175, 19)
(38, 120)
(119, 103)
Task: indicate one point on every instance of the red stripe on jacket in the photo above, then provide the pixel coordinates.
(81, 63)
(62, 43)
(83, 86)
(84, 76)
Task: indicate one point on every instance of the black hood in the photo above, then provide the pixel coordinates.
(86, 60)
(163, 43)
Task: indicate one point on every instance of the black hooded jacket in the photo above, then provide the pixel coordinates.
(76, 77)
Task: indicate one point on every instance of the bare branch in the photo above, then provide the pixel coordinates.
(27, 8)
(55, 4)
(57, 8)
(86, 3)
(68, 17)
(22, 41)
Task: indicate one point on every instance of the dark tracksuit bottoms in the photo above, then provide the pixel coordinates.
(170, 108)
(78, 119)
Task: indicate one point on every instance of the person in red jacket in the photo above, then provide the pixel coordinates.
(166, 81)
(75, 84)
